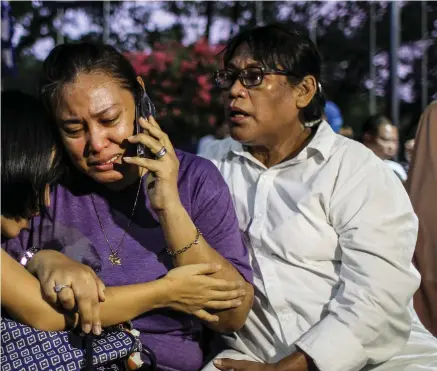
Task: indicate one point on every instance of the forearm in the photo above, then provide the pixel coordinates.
(296, 361)
(22, 298)
(180, 231)
(124, 303)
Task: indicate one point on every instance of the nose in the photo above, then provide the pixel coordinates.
(97, 138)
(237, 89)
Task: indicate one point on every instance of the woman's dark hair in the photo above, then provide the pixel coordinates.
(66, 61)
(372, 124)
(29, 158)
(288, 47)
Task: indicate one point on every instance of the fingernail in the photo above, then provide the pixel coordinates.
(218, 266)
(97, 330)
(127, 158)
(241, 284)
(218, 362)
(216, 319)
(86, 329)
(238, 303)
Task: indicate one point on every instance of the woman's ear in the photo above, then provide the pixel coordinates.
(307, 88)
(141, 82)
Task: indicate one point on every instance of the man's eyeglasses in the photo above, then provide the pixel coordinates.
(249, 77)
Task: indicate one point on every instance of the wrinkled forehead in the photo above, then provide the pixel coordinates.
(243, 57)
(89, 94)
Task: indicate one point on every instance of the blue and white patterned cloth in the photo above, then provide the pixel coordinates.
(27, 349)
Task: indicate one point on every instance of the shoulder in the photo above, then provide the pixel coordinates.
(218, 150)
(358, 167)
(198, 170)
(353, 156)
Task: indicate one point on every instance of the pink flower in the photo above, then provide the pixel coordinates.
(212, 120)
(186, 65)
(205, 96)
(167, 98)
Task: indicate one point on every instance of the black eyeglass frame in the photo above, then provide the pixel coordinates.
(238, 75)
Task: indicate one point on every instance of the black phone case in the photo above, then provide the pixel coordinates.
(144, 108)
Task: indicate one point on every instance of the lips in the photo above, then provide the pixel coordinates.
(106, 161)
(236, 111)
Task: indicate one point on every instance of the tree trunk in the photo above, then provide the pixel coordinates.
(209, 19)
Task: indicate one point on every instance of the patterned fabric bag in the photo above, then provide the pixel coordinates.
(27, 349)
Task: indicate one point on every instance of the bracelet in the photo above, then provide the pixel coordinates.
(195, 242)
(24, 258)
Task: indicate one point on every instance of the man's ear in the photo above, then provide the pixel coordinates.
(367, 137)
(307, 88)
(141, 82)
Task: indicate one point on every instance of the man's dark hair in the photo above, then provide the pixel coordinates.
(29, 159)
(288, 47)
(372, 124)
(66, 61)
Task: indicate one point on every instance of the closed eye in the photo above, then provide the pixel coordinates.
(109, 120)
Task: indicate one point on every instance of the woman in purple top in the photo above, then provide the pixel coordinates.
(132, 219)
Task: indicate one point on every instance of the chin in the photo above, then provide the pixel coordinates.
(11, 234)
(242, 136)
(106, 177)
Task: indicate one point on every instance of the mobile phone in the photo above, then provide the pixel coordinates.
(143, 108)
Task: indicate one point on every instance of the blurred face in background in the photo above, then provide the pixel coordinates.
(409, 149)
(385, 143)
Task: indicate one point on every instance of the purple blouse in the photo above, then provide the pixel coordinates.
(74, 229)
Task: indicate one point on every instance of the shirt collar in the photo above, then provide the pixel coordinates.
(322, 142)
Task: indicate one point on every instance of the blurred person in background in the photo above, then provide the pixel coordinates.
(422, 188)
(408, 153)
(333, 116)
(329, 227)
(382, 137)
(221, 131)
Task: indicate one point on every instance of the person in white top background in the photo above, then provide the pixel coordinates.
(330, 228)
(382, 137)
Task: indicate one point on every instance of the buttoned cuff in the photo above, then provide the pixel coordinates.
(332, 346)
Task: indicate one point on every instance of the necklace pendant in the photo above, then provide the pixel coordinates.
(114, 259)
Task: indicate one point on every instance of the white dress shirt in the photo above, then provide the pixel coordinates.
(331, 235)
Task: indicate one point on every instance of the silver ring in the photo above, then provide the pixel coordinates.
(162, 152)
(58, 288)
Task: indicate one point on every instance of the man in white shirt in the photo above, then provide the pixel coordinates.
(382, 137)
(329, 227)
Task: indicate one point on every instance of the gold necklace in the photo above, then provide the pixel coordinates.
(113, 257)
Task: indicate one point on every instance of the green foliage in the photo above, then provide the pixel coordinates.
(179, 81)
(342, 37)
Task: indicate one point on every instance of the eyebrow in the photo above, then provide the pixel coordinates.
(75, 120)
(252, 64)
(104, 110)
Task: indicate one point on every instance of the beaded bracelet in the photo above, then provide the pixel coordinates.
(195, 242)
(25, 257)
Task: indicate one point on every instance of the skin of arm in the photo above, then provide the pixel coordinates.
(176, 224)
(22, 298)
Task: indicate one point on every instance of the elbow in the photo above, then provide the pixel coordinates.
(231, 323)
(235, 319)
